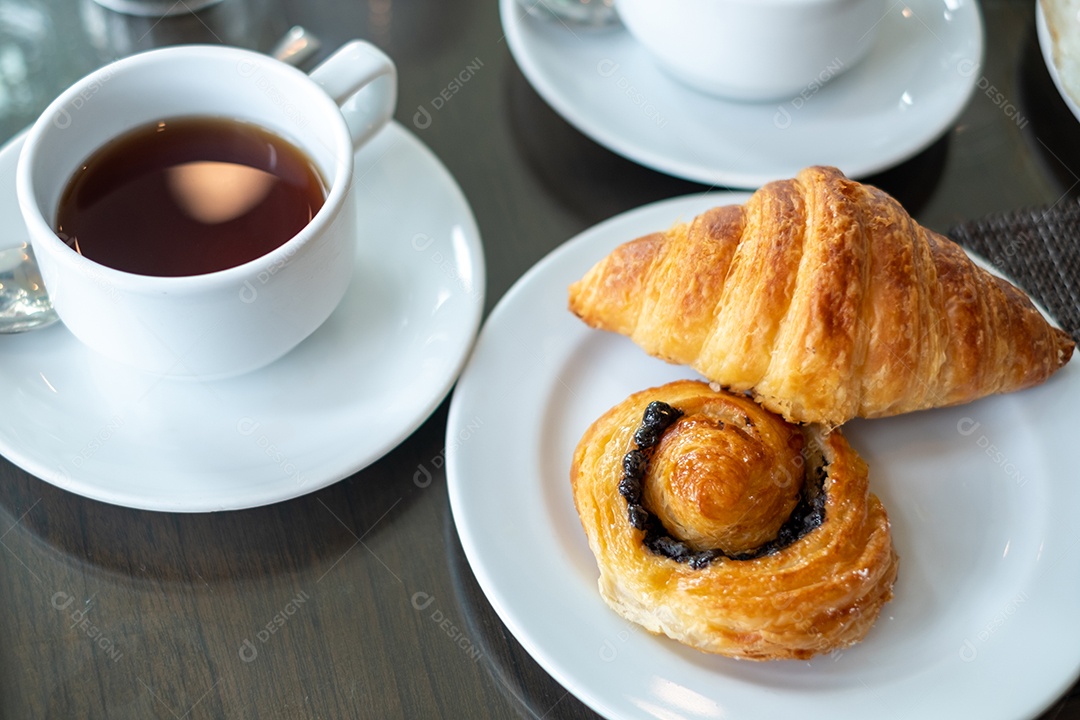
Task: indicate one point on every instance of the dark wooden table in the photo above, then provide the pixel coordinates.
(308, 608)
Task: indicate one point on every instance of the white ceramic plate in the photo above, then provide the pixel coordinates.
(339, 401)
(982, 500)
(1046, 45)
(897, 102)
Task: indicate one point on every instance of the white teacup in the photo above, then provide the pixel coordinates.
(230, 321)
(754, 50)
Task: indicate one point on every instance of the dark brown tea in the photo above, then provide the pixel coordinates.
(188, 196)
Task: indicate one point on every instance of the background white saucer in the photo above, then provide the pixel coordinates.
(901, 98)
(347, 395)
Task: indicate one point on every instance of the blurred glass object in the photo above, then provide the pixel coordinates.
(117, 28)
(28, 70)
(156, 8)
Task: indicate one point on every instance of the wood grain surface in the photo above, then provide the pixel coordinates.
(356, 601)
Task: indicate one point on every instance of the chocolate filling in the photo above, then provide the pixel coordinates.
(808, 514)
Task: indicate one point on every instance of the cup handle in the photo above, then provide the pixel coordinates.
(362, 80)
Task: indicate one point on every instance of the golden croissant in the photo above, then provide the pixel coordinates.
(827, 301)
(729, 529)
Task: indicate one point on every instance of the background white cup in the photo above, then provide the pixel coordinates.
(754, 50)
(241, 318)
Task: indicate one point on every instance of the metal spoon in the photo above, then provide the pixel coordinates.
(588, 13)
(296, 46)
(24, 304)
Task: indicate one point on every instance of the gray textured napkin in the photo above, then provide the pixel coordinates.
(1039, 249)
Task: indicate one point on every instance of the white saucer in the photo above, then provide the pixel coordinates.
(982, 500)
(1046, 46)
(898, 101)
(338, 402)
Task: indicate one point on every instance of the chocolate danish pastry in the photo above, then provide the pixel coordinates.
(725, 527)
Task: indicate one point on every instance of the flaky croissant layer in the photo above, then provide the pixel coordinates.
(732, 472)
(827, 301)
